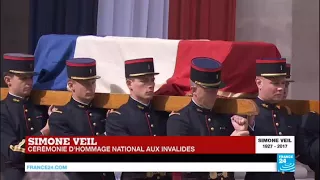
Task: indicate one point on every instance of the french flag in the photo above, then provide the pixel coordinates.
(172, 59)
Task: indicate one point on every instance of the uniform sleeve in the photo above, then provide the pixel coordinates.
(177, 125)
(44, 111)
(251, 130)
(12, 148)
(58, 125)
(116, 124)
(307, 139)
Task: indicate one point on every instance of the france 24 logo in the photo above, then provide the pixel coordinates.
(286, 163)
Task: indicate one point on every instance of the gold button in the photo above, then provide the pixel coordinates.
(274, 115)
(277, 124)
(283, 172)
(94, 124)
(154, 135)
(209, 119)
(26, 110)
(90, 114)
(29, 119)
(151, 125)
(97, 133)
(212, 128)
(280, 133)
(31, 129)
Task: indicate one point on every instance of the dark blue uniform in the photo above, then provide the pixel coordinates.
(310, 126)
(19, 118)
(275, 120)
(193, 120)
(136, 119)
(78, 119)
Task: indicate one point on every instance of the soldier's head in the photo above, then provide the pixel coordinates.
(205, 79)
(18, 71)
(82, 78)
(271, 79)
(288, 81)
(140, 78)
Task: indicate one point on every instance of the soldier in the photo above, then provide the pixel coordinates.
(137, 117)
(78, 117)
(273, 119)
(310, 132)
(198, 117)
(19, 116)
(310, 126)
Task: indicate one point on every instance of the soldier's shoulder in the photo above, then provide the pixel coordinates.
(117, 113)
(180, 113)
(60, 111)
(3, 103)
(4, 108)
(174, 113)
(286, 109)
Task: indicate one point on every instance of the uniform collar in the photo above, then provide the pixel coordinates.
(199, 108)
(17, 99)
(80, 104)
(138, 104)
(267, 105)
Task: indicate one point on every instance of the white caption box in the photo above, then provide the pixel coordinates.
(275, 144)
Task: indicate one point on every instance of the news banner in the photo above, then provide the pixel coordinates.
(160, 154)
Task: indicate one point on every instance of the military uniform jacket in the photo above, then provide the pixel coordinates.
(77, 119)
(19, 118)
(137, 119)
(193, 120)
(275, 120)
(310, 126)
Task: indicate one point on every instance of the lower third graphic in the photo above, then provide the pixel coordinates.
(286, 163)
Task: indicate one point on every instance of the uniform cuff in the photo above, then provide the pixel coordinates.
(252, 127)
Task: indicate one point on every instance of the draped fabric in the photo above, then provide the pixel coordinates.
(133, 18)
(77, 17)
(202, 19)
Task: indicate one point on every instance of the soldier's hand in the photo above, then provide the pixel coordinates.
(240, 133)
(51, 109)
(239, 123)
(46, 130)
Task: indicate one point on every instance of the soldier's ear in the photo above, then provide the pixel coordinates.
(259, 82)
(7, 79)
(129, 83)
(70, 85)
(193, 90)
